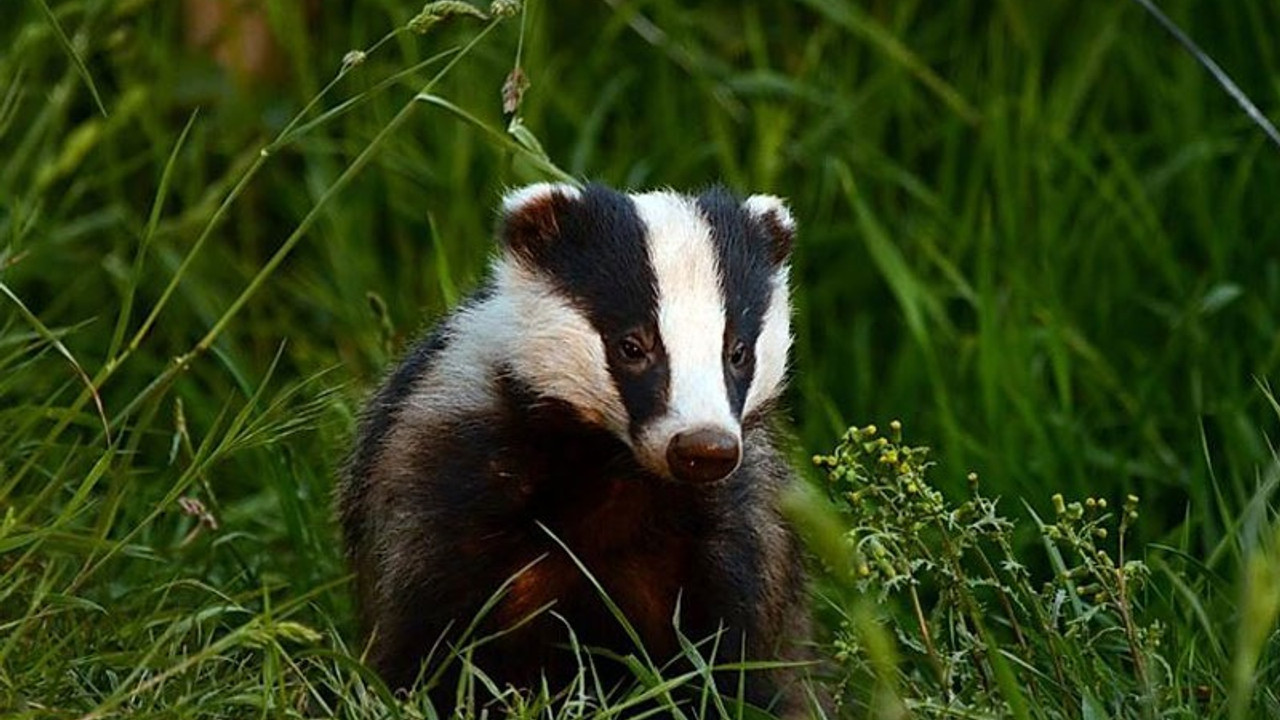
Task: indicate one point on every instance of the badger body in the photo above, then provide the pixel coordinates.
(604, 401)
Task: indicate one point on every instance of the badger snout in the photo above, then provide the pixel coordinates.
(703, 454)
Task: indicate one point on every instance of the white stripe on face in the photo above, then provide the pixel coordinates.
(771, 346)
(554, 348)
(775, 330)
(691, 319)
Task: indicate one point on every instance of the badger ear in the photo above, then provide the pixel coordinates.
(531, 216)
(773, 215)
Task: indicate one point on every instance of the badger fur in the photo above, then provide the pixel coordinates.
(610, 387)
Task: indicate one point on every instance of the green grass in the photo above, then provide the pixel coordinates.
(1039, 233)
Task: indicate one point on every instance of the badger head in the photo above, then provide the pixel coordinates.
(661, 317)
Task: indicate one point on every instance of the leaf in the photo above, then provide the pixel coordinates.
(1218, 297)
(1091, 709)
(517, 138)
(527, 139)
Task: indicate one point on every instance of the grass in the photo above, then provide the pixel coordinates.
(1040, 234)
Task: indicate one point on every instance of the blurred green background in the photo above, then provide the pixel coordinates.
(1037, 232)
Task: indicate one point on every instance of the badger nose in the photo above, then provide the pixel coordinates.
(703, 455)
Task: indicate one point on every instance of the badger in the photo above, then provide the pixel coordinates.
(596, 420)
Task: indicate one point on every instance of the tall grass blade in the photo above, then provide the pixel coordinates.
(1219, 75)
(58, 345)
(67, 45)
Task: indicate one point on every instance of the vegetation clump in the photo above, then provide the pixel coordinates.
(986, 637)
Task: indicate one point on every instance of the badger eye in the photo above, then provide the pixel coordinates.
(632, 350)
(738, 355)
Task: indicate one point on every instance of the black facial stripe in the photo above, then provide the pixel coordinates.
(644, 394)
(600, 261)
(743, 255)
